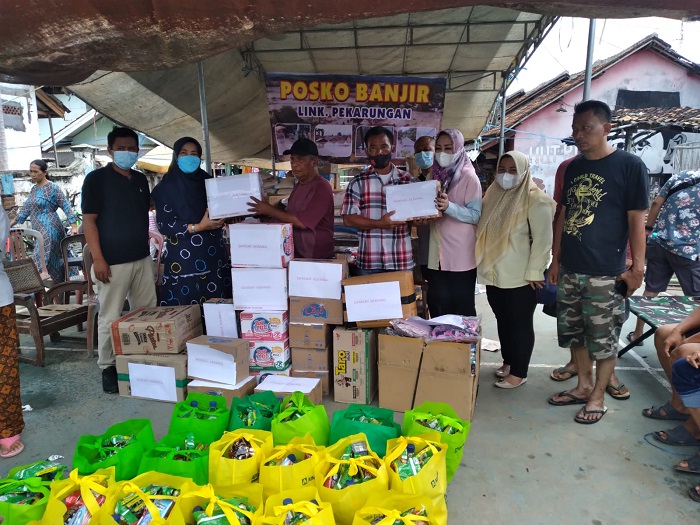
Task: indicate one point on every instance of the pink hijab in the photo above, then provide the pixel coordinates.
(453, 172)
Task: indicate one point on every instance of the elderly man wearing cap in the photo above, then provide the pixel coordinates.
(310, 207)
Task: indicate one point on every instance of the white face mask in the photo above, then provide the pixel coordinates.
(444, 159)
(507, 181)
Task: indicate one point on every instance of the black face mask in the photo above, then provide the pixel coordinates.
(380, 161)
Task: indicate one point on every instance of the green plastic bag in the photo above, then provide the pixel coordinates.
(345, 423)
(90, 455)
(197, 469)
(15, 514)
(313, 420)
(266, 398)
(454, 442)
(207, 420)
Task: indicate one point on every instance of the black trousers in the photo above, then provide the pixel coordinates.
(451, 292)
(514, 309)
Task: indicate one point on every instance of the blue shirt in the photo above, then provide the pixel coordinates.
(678, 224)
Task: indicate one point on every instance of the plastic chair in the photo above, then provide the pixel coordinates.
(93, 302)
(18, 249)
(74, 260)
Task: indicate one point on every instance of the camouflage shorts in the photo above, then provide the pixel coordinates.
(590, 313)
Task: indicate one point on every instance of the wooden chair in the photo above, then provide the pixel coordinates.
(39, 321)
(18, 248)
(72, 260)
(93, 302)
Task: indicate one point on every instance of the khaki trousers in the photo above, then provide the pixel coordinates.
(134, 281)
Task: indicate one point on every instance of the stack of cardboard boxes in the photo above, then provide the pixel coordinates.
(315, 307)
(260, 254)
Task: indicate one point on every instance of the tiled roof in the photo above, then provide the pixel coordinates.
(519, 106)
(688, 118)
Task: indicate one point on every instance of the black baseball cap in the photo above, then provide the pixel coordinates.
(302, 147)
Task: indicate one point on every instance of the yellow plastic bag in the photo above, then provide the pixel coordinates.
(431, 480)
(207, 497)
(352, 498)
(225, 472)
(121, 489)
(98, 482)
(392, 504)
(305, 501)
(276, 478)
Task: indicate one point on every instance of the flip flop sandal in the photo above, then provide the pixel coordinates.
(562, 370)
(693, 493)
(616, 392)
(12, 453)
(573, 400)
(630, 337)
(677, 436)
(671, 414)
(693, 465)
(585, 411)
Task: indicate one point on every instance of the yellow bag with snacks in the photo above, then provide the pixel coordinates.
(78, 496)
(236, 458)
(390, 508)
(242, 505)
(301, 506)
(151, 493)
(347, 474)
(290, 466)
(416, 465)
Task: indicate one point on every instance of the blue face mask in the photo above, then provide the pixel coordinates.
(189, 163)
(424, 159)
(125, 159)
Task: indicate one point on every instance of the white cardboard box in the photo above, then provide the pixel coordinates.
(260, 375)
(260, 289)
(269, 355)
(316, 278)
(411, 201)
(228, 196)
(258, 245)
(371, 302)
(220, 318)
(219, 359)
(285, 386)
(264, 326)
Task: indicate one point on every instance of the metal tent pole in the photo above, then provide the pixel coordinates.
(53, 140)
(502, 137)
(203, 112)
(589, 60)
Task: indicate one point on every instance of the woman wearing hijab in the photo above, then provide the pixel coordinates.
(451, 262)
(513, 245)
(194, 258)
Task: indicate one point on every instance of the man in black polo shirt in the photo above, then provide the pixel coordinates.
(115, 205)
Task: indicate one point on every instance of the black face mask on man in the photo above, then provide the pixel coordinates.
(380, 161)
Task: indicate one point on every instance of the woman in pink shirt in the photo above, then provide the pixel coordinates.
(451, 261)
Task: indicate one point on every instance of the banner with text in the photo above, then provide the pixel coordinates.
(335, 111)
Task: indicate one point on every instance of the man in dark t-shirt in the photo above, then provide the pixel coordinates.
(603, 202)
(115, 204)
(310, 207)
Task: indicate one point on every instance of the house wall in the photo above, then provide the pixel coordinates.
(21, 130)
(539, 136)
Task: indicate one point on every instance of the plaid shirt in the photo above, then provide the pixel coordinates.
(379, 249)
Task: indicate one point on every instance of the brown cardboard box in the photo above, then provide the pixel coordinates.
(323, 375)
(399, 362)
(208, 359)
(315, 310)
(244, 388)
(311, 359)
(306, 335)
(149, 376)
(354, 365)
(157, 330)
(285, 386)
(406, 287)
(447, 375)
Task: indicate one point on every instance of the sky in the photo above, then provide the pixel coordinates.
(564, 48)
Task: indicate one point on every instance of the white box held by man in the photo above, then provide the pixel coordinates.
(264, 326)
(229, 196)
(220, 317)
(258, 245)
(310, 278)
(260, 289)
(412, 201)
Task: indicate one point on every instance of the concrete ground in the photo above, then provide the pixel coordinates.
(525, 461)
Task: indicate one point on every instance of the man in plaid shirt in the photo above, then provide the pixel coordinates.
(385, 245)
